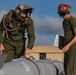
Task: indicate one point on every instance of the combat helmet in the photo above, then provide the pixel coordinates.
(64, 9)
(23, 9)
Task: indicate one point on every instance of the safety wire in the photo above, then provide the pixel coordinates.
(33, 62)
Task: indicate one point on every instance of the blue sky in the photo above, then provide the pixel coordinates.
(46, 20)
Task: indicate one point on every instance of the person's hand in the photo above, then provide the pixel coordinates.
(1, 48)
(27, 51)
(65, 49)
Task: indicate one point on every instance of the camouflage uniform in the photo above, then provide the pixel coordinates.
(14, 37)
(70, 55)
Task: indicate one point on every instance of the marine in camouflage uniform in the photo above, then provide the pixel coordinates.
(14, 25)
(69, 49)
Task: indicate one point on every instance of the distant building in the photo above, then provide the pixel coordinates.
(46, 52)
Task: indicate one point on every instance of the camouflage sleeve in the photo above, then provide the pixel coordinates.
(75, 31)
(31, 33)
(1, 31)
(73, 23)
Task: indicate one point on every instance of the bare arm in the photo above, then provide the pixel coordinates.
(65, 49)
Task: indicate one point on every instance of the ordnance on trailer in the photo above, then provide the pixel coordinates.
(25, 66)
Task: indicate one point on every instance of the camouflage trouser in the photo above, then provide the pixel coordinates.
(70, 61)
(13, 50)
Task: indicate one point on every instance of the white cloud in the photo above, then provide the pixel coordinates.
(46, 26)
(74, 15)
(1, 14)
(44, 40)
